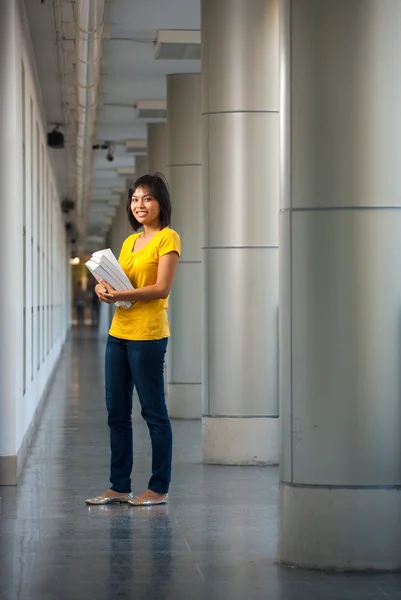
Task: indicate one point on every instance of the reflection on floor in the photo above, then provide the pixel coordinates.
(215, 540)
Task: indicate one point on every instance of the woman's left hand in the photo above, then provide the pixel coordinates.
(110, 295)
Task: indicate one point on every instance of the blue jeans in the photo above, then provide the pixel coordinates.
(140, 364)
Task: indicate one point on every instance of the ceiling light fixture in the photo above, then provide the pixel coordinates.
(151, 109)
(178, 44)
(125, 171)
(135, 146)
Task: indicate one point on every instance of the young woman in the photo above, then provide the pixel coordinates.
(138, 340)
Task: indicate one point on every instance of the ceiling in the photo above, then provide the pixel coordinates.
(128, 72)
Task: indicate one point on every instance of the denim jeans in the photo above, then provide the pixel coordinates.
(140, 364)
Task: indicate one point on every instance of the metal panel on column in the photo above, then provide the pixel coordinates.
(241, 134)
(186, 340)
(184, 167)
(157, 148)
(341, 290)
(157, 163)
(141, 165)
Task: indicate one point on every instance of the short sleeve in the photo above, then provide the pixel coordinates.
(170, 242)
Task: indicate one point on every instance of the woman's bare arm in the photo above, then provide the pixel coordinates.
(161, 289)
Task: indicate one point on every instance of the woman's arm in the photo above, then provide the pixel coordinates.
(161, 289)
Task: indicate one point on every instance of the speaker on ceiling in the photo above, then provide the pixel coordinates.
(55, 139)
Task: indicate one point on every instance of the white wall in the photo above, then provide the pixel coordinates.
(40, 316)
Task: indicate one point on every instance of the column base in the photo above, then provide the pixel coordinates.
(240, 440)
(104, 321)
(347, 529)
(184, 400)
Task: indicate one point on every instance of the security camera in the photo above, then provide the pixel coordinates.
(110, 153)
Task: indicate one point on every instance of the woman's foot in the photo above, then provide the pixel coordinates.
(108, 498)
(148, 498)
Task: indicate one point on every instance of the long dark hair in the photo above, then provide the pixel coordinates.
(159, 189)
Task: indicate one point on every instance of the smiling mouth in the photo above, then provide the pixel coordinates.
(141, 214)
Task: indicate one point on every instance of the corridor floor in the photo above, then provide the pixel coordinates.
(215, 540)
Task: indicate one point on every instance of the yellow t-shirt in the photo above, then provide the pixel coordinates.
(144, 320)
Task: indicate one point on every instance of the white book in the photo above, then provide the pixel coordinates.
(108, 255)
(115, 280)
(104, 265)
(99, 273)
(118, 274)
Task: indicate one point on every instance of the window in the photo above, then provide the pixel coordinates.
(32, 241)
(42, 256)
(24, 273)
(48, 263)
(38, 234)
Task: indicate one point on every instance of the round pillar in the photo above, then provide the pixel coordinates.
(141, 165)
(157, 148)
(240, 103)
(11, 241)
(340, 295)
(157, 163)
(185, 173)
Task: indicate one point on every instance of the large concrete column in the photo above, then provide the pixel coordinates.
(240, 102)
(11, 242)
(184, 165)
(340, 294)
(157, 163)
(157, 148)
(141, 165)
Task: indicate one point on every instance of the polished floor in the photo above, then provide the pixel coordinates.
(215, 540)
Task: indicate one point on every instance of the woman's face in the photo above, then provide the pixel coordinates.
(145, 207)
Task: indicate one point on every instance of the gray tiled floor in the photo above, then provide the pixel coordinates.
(216, 539)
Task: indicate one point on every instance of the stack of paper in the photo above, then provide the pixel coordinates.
(104, 265)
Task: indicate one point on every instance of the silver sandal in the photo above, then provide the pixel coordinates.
(108, 500)
(135, 501)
